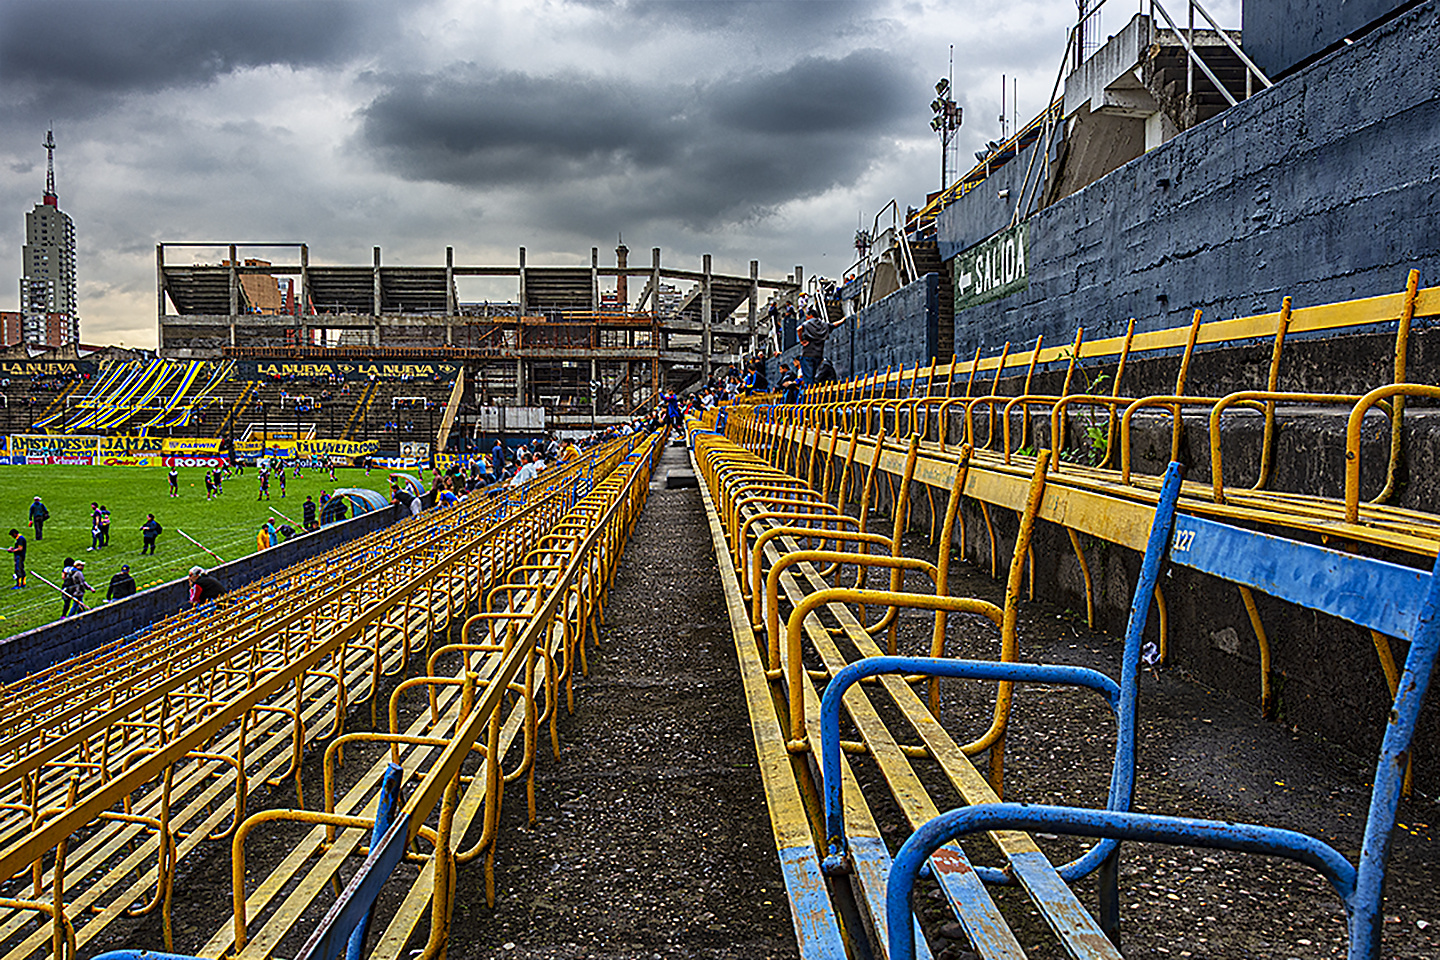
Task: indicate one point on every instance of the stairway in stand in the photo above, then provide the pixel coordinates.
(927, 260)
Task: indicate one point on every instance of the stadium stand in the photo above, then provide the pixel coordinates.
(125, 760)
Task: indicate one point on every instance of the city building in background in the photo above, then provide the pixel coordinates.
(48, 305)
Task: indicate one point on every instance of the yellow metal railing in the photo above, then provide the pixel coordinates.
(179, 725)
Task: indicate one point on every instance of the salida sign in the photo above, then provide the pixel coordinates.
(993, 268)
(346, 370)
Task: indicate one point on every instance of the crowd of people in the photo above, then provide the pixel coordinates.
(510, 467)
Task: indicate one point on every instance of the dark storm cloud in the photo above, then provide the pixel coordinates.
(715, 150)
(717, 14)
(68, 57)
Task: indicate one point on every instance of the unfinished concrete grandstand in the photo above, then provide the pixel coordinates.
(565, 335)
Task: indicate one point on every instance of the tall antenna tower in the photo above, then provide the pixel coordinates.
(50, 197)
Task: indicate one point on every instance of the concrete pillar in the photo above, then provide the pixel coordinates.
(655, 281)
(519, 382)
(160, 296)
(754, 306)
(306, 306)
(450, 309)
(622, 288)
(524, 307)
(799, 280)
(375, 300)
(707, 318)
(594, 279)
(234, 288)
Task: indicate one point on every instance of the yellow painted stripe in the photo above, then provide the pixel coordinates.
(817, 932)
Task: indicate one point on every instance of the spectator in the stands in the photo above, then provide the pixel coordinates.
(813, 334)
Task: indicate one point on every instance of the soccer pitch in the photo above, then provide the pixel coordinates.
(227, 525)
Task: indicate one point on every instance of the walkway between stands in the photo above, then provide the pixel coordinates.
(652, 839)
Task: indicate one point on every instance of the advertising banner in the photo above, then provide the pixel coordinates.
(347, 370)
(258, 448)
(336, 448)
(128, 446)
(398, 463)
(47, 368)
(195, 460)
(74, 451)
(30, 445)
(191, 445)
(445, 461)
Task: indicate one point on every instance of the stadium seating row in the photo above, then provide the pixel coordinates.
(120, 763)
(769, 488)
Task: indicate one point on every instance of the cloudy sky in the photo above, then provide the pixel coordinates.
(750, 130)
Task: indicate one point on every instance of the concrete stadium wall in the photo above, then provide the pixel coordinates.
(981, 212)
(899, 330)
(1325, 187)
(37, 649)
(1280, 33)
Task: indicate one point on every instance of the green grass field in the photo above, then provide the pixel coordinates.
(227, 525)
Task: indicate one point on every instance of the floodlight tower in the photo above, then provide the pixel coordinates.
(945, 122)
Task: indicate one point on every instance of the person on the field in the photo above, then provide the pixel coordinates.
(94, 527)
(209, 486)
(174, 482)
(38, 516)
(75, 589)
(280, 475)
(17, 550)
(122, 585)
(262, 539)
(104, 525)
(149, 530)
(309, 514)
(264, 486)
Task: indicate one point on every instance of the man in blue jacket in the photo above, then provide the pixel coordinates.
(497, 458)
